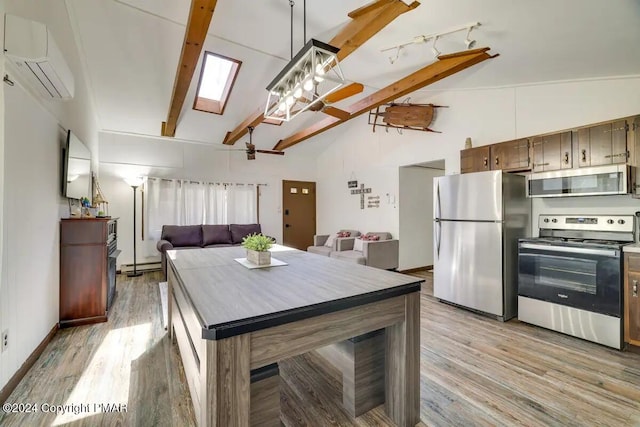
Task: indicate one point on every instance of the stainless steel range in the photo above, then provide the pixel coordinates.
(570, 278)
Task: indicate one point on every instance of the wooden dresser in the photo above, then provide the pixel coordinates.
(88, 252)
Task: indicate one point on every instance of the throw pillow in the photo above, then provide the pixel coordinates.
(371, 237)
(358, 245)
(344, 234)
(330, 240)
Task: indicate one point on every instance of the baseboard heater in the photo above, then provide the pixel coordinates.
(145, 266)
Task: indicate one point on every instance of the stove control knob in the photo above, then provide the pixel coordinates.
(621, 221)
(546, 220)
(554, 220)
(609, 221)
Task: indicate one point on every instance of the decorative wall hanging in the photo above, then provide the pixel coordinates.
(404, 115)
(361, 191)
(373, 201)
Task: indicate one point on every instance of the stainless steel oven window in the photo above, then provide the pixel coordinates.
(568, 273)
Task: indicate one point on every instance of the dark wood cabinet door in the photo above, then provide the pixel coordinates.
(600, 145)
(84, 290)
(632, 308)
(511, 155)
(619, 153)
(466, 161)
(566, 158)
(552, 152)
(474, 159)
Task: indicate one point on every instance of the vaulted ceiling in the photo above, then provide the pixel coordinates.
(131, 49)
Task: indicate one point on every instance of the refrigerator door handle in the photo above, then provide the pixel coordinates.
(439, 224)
(437, 220)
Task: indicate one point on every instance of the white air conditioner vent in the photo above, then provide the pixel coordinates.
(35, 55)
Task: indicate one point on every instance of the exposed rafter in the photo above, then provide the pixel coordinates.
(365, 22)
(200, 16)
(445, 66)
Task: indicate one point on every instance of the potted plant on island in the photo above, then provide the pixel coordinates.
(257, 246)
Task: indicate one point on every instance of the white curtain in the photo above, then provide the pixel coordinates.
(241, 204)
(176, 202)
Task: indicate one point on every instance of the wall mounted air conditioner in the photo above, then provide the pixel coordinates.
(29, 46)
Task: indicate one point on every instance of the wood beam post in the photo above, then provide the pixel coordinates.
(200, 15)
(445, 66)
(365, 22)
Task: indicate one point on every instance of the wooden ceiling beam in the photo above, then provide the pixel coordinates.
(366, 22)
(445, 66)
(200, 15)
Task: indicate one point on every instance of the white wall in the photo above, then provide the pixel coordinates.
(30, 275)
(129, 155)
(486, 115)
(78, 114)
(3, 301)
(416, 216)
(31, 202)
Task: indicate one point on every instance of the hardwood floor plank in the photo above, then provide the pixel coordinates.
(474, 371)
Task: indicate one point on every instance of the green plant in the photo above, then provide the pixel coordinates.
(257, 242)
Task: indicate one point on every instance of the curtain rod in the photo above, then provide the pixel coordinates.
(205, 182)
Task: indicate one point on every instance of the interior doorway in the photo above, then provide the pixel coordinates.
(298, 213)
(416, 214)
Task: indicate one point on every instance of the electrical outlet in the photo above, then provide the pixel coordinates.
(5, 339)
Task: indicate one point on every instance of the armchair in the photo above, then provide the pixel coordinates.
(320, 241)
(382, 253)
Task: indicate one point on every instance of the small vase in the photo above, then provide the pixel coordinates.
(467, 143)
(259, 258)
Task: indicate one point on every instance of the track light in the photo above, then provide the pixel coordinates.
(468, 41)
(434, 49)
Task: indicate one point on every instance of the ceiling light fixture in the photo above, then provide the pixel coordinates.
(469, 43)
(308, 78)
(434, 49)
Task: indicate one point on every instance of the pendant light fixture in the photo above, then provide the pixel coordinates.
(308, 78)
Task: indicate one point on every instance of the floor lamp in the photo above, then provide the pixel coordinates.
(134, 183)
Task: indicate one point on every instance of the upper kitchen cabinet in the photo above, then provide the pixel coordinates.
(474, 159)
(602, 144)
(552, 152)
(633, 140)
(510, 156)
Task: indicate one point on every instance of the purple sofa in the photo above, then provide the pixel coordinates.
(201, 236)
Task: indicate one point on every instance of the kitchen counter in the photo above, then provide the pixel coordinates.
(635, 248)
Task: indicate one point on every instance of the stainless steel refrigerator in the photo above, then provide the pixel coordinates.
(478, 219)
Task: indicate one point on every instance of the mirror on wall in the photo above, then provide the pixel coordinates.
(77, 169)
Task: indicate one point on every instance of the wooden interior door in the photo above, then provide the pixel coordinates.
(298, 213)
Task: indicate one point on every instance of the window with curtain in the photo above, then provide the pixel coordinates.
(182, 202)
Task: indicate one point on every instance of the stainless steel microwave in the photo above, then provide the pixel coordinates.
(593, 181)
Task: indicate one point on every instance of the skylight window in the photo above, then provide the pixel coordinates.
(216, 80)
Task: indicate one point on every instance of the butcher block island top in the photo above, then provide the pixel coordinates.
(230, 299)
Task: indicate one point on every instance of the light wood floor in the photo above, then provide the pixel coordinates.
(475, 371)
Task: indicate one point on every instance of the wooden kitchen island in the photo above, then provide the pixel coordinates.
(232, 323)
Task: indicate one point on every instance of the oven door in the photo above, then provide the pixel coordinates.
(580, 277)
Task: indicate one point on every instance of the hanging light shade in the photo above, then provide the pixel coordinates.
(309, 77)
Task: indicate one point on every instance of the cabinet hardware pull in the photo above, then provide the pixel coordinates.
(584, 155)
(497, 161)
(540, 164)
(635, 288)
(566, 157)
(486, 161)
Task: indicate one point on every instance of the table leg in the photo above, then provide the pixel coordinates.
(227, 397)
(402, 366)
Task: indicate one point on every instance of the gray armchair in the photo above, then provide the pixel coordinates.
(383, 253)
(339, 243)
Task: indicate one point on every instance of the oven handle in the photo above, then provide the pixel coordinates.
(587, 251)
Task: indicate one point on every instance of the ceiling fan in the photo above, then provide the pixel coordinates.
(343, 93)
(251, 148)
